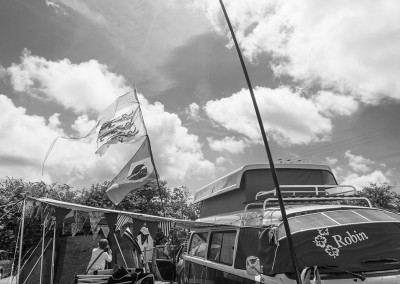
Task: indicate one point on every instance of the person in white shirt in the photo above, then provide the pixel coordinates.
(100, 255)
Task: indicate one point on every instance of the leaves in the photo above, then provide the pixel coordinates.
(175, 201)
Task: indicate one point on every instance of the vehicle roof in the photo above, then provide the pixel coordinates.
(232, 180)
(273, 215)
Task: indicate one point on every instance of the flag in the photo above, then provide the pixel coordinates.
(60, 215)
(135, 227)
(96, 232)
(120, 122)
(105, 230)
(152, 226)
(136, 173)
(122, 221)
(166, 226)
(125, 126)
(74, 229)
(94, 218)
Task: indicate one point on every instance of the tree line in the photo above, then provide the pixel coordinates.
(164, 201)
(171, 202)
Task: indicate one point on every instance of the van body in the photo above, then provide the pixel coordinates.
(246, 241)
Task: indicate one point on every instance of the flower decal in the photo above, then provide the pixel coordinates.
(332, 251)
(323, 231)
(320, 241)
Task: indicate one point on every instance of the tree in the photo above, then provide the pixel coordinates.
(174, 201)
(14, 190)
(382, 196)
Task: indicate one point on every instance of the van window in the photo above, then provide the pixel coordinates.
(198, 246)
(222, 246)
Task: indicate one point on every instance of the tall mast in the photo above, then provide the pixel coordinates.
(271, 161)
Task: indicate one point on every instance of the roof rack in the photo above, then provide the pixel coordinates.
(316, 190)
(308, 193)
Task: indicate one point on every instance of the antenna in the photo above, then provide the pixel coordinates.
(270, 159)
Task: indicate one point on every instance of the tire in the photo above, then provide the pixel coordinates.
(1, 274)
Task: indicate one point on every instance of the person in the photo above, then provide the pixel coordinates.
(100, 255)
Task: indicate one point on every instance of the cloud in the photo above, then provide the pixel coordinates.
(287, 116)
(83, 87)
(359, 171)
(334, 44)
(220, 160)
(26, 138)
(358, 163)
(57, 8)
(361, 181)
(228, 144)
(82, 125)
(192, 112)
(333, 104)
(178, 151)
(331, 161)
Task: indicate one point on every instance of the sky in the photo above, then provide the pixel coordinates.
(325, 76)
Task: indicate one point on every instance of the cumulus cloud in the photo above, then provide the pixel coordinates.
(24, 141)
(220, 160)
(57, 8)
(178, 151)
(193, 112)
(288, 117)
(26, 138)
(82, 125)
(358, 163)
(360, 181)
(228, 144)
(333, 44)
(359, 171)
(333, 104)
(83, 87)
(331, 161)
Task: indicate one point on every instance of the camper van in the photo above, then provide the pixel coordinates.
(338, 236)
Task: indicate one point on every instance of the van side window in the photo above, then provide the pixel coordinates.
(222, 246)
(198, 246)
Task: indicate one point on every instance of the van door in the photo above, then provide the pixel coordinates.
(195, 272)
(163, 265)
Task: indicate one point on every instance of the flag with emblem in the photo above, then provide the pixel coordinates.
(121, 122)
(136, 173)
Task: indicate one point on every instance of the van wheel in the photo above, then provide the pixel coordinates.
(1, 274)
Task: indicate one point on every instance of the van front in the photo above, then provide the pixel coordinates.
(346, 245)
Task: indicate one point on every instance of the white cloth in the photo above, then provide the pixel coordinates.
(101, 260)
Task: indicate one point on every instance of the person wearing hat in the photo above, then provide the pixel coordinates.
(100, 255)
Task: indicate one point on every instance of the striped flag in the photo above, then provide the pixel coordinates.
(166, 226)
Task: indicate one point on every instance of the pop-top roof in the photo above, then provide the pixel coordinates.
(232, 180)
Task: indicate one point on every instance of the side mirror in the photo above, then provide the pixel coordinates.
(253, 266)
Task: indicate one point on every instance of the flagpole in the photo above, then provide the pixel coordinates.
(268, 150)
(53, 252)
(21, 240)
(151, 152)
(41, 261)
